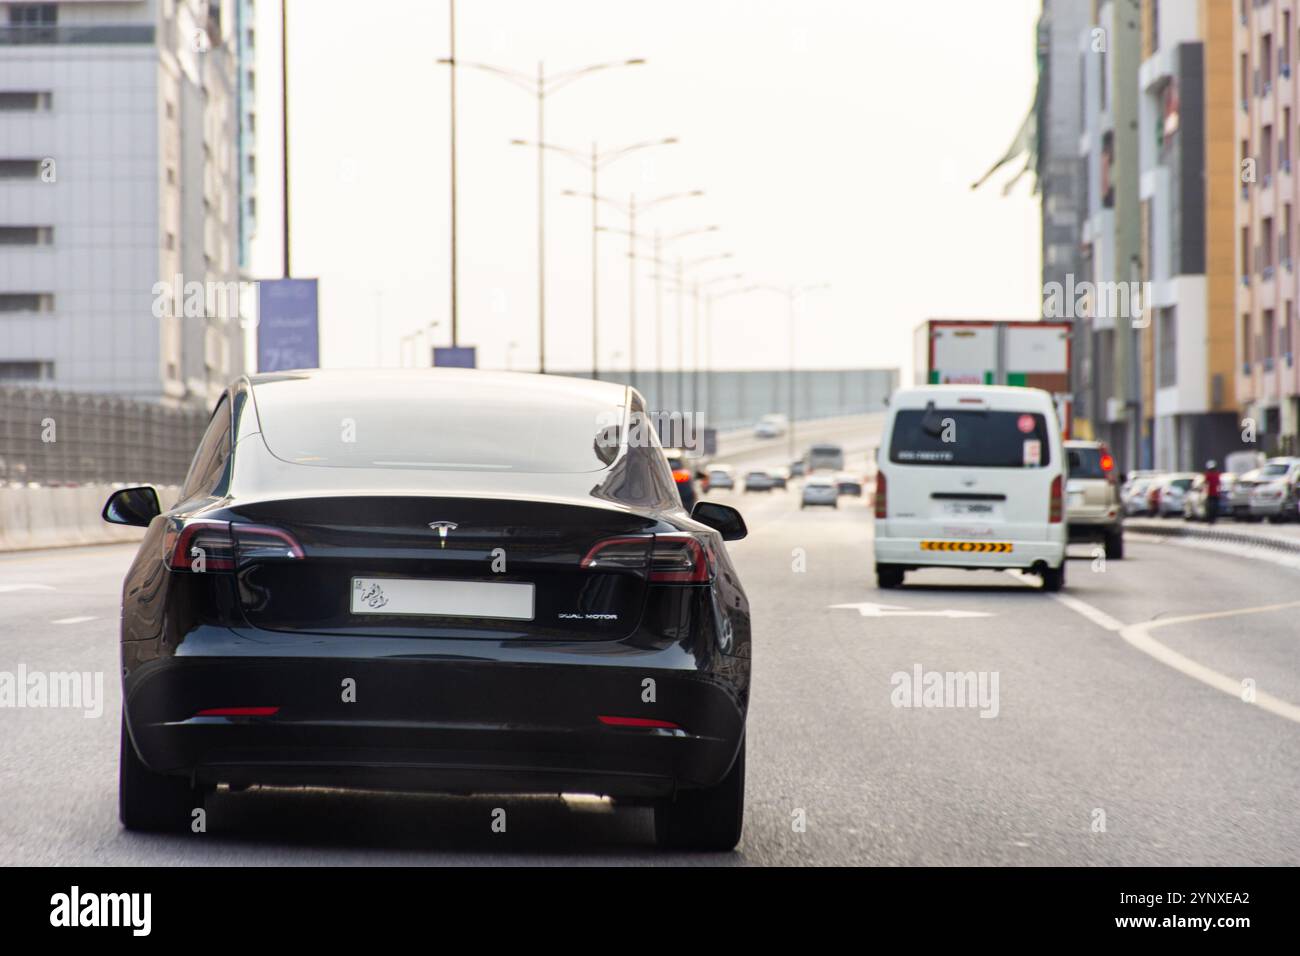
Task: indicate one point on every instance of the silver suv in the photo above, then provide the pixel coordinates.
(1092, 506)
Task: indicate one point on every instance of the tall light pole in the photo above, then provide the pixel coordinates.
(451, 60)
(631, 209)
(709, 299)
(595, 161)
(540, 87)
(284, 125)
(792, 293)
(697, 288)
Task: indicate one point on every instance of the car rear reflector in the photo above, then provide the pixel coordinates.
(637, 722)
(1054, 508)
(239, 712)
(882, 510)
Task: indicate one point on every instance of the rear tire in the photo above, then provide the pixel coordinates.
(706, 819)
(151, 801)
(1115, 546)
(1054, 578)
(888, 576)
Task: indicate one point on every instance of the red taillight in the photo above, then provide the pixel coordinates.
(882, 510)
(199, 545)
(203, 545)
(677, 558)
(239, 712)
(681, 476)
(637, 722)
(1054, 508)
(680, 559)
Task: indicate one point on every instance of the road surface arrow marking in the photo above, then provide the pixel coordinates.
(868, 609)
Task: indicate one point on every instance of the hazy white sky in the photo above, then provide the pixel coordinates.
(835, 139)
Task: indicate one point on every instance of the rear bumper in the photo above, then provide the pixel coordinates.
(1091, 527)
(441, 722)
(907, 553)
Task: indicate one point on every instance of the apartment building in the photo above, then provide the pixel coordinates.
(1187, 193)
(1264, 106)
(1107, 341)
(118, 172)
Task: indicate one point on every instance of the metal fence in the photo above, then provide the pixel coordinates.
(53, 437)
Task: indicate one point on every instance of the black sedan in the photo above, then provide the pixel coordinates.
(445, 580)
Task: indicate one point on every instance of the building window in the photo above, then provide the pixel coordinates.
(20, 168)
(26, 101)
(26, 371)
(1266, 64)
(26, 235)
(1245, 345)
(1269, 340)
(33, 14)
(26, 302)
(1266, 154)
(1245, 254)
(1288, 334)
(1266, 247)
(1167, 330)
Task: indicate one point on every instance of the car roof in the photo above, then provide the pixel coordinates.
(999, 397)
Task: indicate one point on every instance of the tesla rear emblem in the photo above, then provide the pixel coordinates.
(442, 527)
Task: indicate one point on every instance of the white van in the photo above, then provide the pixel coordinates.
(971, 476)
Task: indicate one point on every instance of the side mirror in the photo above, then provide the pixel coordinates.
(724, 519)
(133, 506)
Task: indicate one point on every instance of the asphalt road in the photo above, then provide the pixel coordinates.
(1107, 742)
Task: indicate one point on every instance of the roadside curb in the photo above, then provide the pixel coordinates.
(1240, 538)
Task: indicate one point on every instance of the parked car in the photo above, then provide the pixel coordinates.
(847, 484)
(1166, 495)
(1273, 496)
(1236, 502)
(320, 556)
(971, 477)
(758, 481)
(1092, 507)
(819, 490)
(1194, 502)
(721, 478)
(1133, 495)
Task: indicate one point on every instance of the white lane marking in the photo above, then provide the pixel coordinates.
(1139, 636)
(72, 620)
(867, 609)
(9, 588)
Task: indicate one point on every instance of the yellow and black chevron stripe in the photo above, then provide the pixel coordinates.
(974, 547)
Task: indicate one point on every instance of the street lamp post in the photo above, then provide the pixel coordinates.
(540, 87)
(595, 162)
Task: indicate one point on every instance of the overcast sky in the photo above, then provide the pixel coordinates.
(835, 140)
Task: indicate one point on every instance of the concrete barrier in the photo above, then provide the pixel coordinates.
(42, 517)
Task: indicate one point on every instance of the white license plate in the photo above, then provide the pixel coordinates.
(486, 599)
(972, 509)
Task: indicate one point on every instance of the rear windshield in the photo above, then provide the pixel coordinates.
(970, 438)
(465, 428)
(1275, 470)
(1085, 462)
(1182, 484)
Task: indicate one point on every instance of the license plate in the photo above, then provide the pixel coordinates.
(499, 600)
(1076, 499)
(971, 509)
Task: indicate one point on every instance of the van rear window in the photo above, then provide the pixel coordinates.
(969, 438)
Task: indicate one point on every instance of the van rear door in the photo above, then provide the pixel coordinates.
(965, 470)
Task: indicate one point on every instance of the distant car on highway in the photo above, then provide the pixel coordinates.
(771, 426)
(971, 477)
(1093, 511)
(721, 478)
(819, 490)
(293, 560)
(780, 477)
(847, 484)
(683, 476)
(797, 469)
(825, 457)
(758, 481)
